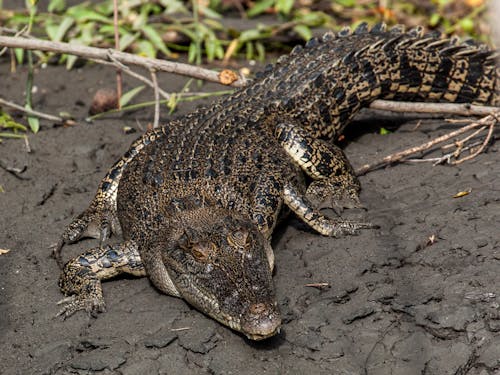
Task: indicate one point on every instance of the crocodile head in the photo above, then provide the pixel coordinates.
(218, 263)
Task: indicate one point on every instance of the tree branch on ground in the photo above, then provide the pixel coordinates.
(123, 57)
(487, 122)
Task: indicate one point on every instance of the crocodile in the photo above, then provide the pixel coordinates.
(197, 200)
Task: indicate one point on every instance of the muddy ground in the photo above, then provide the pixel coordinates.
(395, 304)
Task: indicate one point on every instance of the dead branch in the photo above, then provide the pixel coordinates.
(123, 57)
(130, 72)
(486, 122)
(460, 109)
(157, 99)
(32, 112)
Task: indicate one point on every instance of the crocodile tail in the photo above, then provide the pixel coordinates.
(348, 70)
(413, 66)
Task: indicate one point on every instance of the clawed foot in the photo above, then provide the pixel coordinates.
(91, 304)
(326, 194)
(93, 223)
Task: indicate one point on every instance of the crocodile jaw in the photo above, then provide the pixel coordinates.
(218, 262)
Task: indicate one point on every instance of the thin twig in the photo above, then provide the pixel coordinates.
(489, 120)
(446, 158)
(462, 109)
(117, 47)
(459, 144)
(131, 73)
(481, 148)
(16, 34)
(157, 99)
(123, 57)
(32, 112)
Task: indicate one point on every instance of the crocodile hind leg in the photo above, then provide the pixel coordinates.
(335, 184)
(99, 220)
(81, 277)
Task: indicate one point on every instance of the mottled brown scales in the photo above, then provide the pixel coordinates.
(198, 199)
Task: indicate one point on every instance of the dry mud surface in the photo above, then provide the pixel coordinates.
(395, 305)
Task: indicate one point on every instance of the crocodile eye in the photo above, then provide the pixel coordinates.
(202, 251)
(239, 238)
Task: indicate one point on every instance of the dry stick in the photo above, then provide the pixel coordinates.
(32, 112)
(446, 157)
(117, 47)
(459, 144)
(482, 147)
(489, 120)
(123, 57)
(462, 109)
(133, 74)
(157, 99)
(16, 33)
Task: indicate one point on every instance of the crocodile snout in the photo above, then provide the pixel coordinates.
(261, 320)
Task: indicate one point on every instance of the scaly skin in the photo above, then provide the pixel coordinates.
(198, 203)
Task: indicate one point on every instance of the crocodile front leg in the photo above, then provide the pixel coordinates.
(335, 185)
(332, 227)
(81, 277)
(99, 220)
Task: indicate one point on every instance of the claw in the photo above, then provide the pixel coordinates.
(94, 222)
(92, 305)
(56, 253)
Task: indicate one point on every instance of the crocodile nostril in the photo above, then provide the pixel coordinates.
(257, 308)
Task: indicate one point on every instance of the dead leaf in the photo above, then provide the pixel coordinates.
(226, 77)
(431, 240)
(462, 193)
(474, 3)
(4, 251)
(230, 50)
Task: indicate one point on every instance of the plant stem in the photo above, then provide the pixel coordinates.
(117, 47)
(197, 41)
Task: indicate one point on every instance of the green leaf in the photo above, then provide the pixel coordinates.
(260, 7)
(284, 6)
(172, 102)
(249, 50)
(51, 30)
(63, 28)
(210, 45)
(7, 122)
(70, 61)
(56, 6)
(303, 31)
(434, 19)
(467, 25)
(146, 48)
(313, 19)
(11, 135)
(346, 3)
(261, 51)
(127, 39)
(384, 131)
(192, 53)
(82, 14)
(155, 39)
(19, 52)
(207, 12)
(34, 124)
(129, 95)
(219, 51)
(248, 35)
